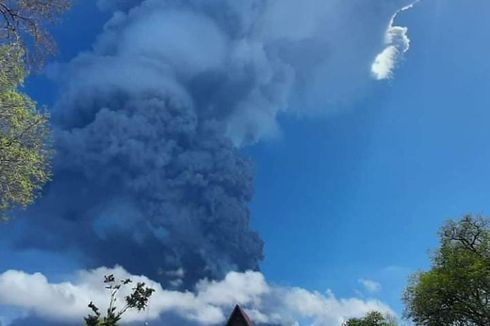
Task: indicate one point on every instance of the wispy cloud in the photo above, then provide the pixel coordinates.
(396, 44)
(370, 285)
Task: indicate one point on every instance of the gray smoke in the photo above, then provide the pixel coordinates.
(148, 126)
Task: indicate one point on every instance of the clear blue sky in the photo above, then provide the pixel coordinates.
(360, 194)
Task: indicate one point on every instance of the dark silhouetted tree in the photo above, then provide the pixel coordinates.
(137, 299)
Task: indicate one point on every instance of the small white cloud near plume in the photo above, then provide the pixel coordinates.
(208, 304)
(396, 44)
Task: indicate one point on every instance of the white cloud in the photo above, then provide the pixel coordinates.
(207, 305)
(370, 285)
(396, 44)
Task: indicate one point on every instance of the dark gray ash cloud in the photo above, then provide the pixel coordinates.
(149, 123)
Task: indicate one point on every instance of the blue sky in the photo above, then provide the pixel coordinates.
(363, 193)
(360, 191)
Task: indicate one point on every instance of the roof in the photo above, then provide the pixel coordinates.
(239, 318)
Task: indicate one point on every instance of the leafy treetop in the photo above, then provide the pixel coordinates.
(456, 290)
(23, 22)
(374, 318)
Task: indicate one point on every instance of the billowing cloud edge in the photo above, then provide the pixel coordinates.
(208, 304)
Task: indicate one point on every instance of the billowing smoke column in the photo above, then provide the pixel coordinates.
(148, 126)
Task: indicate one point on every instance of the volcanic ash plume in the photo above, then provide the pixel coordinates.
(148, 174)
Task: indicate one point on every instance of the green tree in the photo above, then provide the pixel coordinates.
(374, 318)
(456, 290)
(137, 299)
(24, 22)
(25, 149)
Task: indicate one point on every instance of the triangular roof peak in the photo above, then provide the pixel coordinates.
(239, 318)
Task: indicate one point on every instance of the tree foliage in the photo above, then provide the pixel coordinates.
(25, 149)
(137, 299)
(374, 318)
(23, 22)
(456, 290)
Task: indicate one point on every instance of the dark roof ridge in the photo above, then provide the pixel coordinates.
(239, 317)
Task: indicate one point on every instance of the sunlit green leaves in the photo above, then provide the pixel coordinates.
(25, 149)
(374, 318)
(456, 290)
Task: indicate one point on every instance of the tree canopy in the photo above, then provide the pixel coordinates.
(456, 290)
(374, 318)
(25, 149)
(23, 22)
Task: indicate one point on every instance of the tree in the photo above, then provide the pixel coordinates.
(25, 149)
(374, 318)
(138, 299)
(23, 22)
(456, 290)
